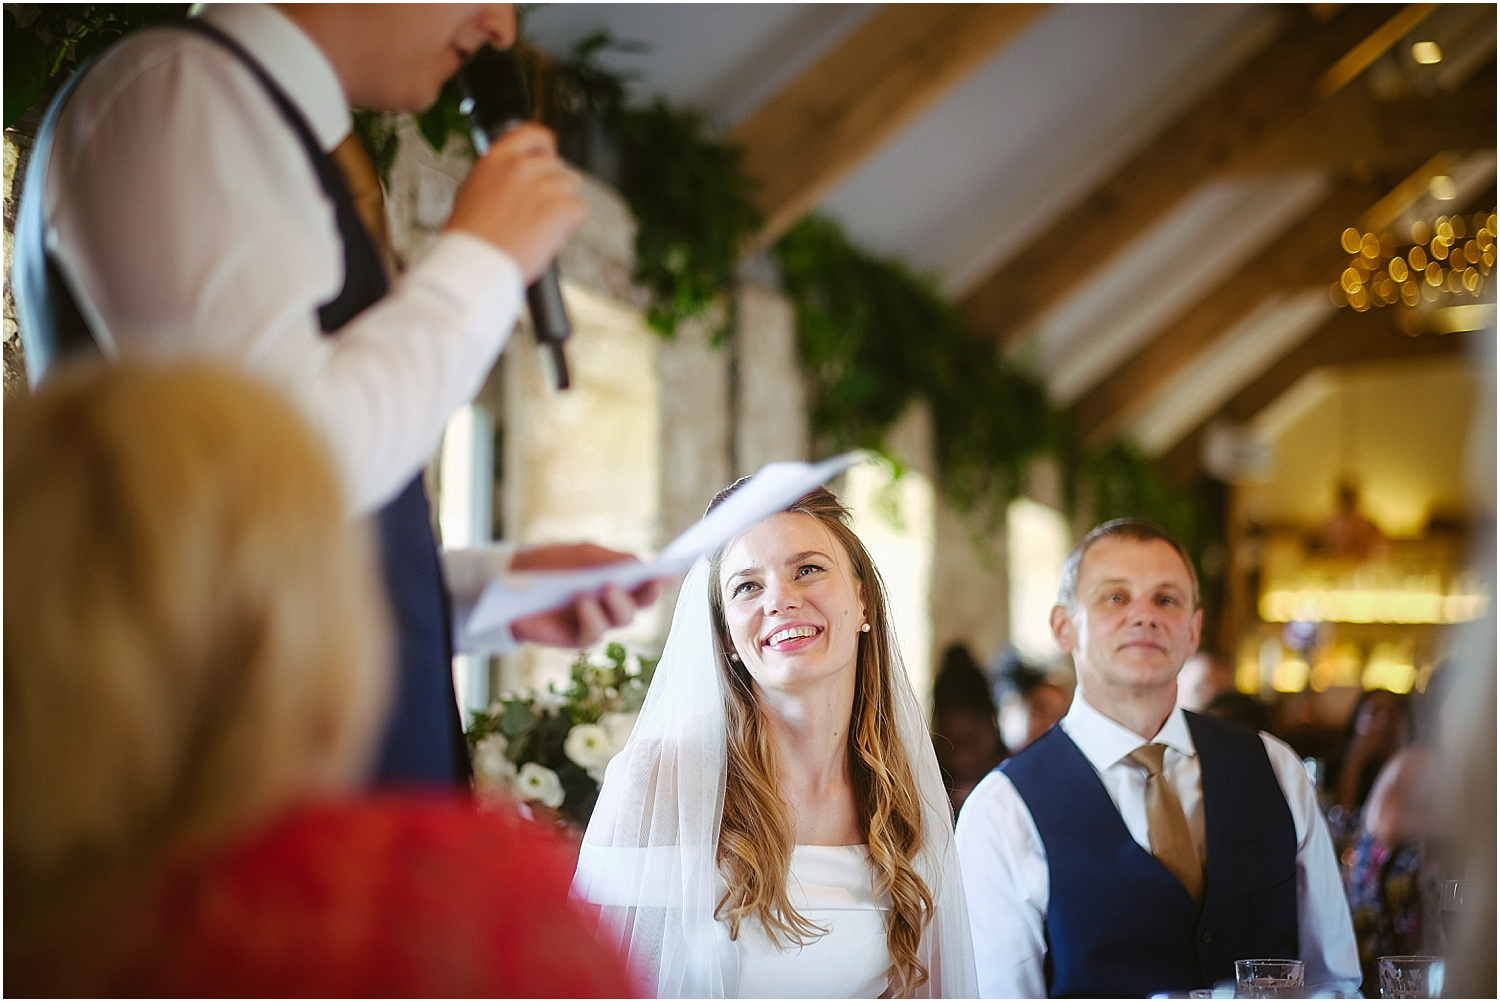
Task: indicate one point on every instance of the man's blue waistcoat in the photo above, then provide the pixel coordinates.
(1118, 922)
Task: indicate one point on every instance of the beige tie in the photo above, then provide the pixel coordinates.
(1171, 841)
(369, 198)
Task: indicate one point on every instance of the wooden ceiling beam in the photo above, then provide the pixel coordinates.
(1277, 85)
(1354, 129)
(1348, 338)
(1371, 48)
(817, 129)
(1308, 252)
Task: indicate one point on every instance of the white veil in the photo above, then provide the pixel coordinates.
(648, 859)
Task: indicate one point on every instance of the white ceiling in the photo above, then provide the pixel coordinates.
(987, 168)
(1050, 115)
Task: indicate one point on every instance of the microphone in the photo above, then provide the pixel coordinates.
(494, 99)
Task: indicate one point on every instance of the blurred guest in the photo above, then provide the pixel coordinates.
(965, 724)
(1395, 864)
(1349, 534)
(1203, 677)
(1240, 708)
(1377, 729)
(1046, 704)
(1394, 875)
(1096, 861)
(196, 669)
(1032, 702)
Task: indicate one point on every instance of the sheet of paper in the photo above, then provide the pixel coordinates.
(777, 485)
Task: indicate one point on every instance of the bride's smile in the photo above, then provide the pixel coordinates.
(792, 604)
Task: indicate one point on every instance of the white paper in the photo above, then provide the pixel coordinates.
(513, 596)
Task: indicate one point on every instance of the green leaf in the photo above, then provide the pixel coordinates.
(516, 719)
(378, 132)
(433, 125)
(25, 69)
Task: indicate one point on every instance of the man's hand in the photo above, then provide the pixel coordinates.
(582, 623)
(522, 198)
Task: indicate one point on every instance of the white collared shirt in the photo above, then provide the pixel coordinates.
(1005, 866)
(191, 225)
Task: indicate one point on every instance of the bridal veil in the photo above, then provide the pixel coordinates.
(648, 859)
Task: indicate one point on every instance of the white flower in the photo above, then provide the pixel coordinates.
(618, 727)
(550, 700)
(537, 782)
(491, 765)
(588, 746)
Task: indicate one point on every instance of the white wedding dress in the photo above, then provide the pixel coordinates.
(831, 887)
(649, 859)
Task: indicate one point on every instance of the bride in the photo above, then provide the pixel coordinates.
(776, 824)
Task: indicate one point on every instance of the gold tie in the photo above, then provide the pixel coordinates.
(1171, 841)
(369, 198)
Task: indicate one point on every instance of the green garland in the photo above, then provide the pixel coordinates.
(691, 198)
(874, 337)
(688, 190)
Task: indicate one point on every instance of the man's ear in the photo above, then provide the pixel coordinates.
(1195, 632)
(1062, 630)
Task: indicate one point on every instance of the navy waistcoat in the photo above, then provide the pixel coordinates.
(423, 741)
(1118, 922)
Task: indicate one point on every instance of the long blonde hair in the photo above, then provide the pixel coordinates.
(755, 839)
(194, 635)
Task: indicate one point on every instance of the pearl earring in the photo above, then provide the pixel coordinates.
(864, 628)
(734, 657)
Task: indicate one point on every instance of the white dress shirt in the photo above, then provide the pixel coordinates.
(191, 225)
(1005, 865)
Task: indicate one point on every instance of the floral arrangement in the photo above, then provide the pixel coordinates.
(550, 748)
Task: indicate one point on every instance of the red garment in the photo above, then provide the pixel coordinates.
(396, 896)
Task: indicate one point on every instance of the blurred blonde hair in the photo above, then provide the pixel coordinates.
(194, 632)
(755, 838)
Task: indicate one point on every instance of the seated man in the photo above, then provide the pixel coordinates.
(1138, 848)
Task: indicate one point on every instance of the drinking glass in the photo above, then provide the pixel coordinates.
(1410, 977)
(1268, 979)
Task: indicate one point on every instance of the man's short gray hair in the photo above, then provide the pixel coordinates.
(1136, 529)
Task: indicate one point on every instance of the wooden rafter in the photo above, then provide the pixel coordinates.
(1371, 48)
(813, 132)
(1307, 252)
(1347, 338)
(1356, 129)
(1278, 85)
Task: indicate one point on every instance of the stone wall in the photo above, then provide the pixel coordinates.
(657, 426)
(13, 374)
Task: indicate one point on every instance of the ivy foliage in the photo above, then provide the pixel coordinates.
(692, 199)
(875, 338)
(688, 190)
(1123, 481)
(45, 43)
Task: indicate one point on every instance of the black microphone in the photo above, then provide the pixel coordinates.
(493, 97)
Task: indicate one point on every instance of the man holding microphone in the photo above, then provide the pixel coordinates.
(197, 206)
